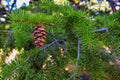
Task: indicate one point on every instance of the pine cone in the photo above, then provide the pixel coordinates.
(39, 35)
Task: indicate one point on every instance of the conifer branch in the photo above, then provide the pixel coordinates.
(78, 57)
(53, 42)
(7, 39)
(7, 31)
(101, 30)
(50, 24)
(6, 78)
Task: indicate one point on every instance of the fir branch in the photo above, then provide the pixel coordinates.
(46, 46)
(29, 57)
(7, 39)
(37, 23)
(53, 42)
(6, 78)
(6, 31)
(78, 57)
(103, 30)
(16, 69)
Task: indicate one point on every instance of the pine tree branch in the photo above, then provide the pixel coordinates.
(7, 31)
(103, 30)
(17, 68)
(78, 57)
(7, 39)
(50, 24)
(53, 42)
(47, 46)
(28, 57)
(6, 78)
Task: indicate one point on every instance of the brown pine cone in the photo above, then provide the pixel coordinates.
(39, 35)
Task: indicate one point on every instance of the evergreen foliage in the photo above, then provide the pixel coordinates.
(65, 26)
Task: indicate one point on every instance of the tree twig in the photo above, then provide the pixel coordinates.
(78, 57)
(103, 30)
(7, 31)
(54, 42)
(50, 24)
(7, 39)
(6, 78)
